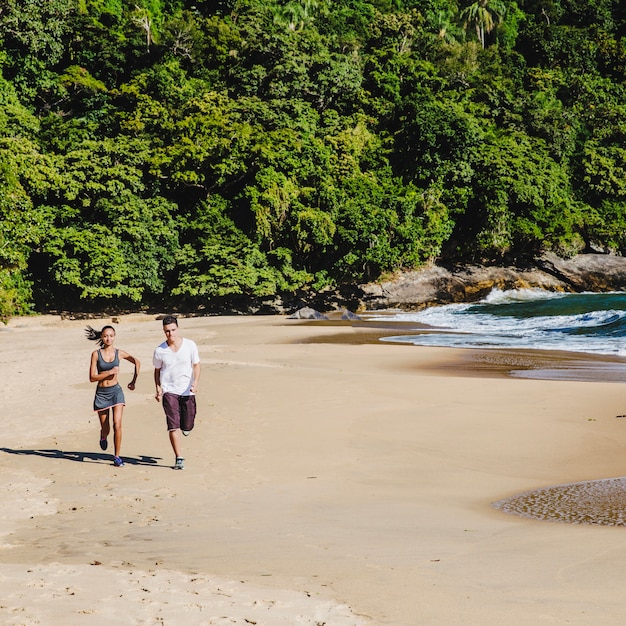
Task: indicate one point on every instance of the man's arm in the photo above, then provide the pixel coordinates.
(157, 383)
(195, 368)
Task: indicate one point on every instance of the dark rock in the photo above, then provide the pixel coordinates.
(587, 272)
(349, 315)
(307, 313)
(341, 314)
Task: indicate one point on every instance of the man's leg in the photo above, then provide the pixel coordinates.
(171, 406)
(175, 441)
(187, 413)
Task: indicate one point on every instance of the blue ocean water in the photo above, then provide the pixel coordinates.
(528, 318)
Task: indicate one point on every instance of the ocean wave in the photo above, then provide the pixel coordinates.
(501, 296)
(526, 318)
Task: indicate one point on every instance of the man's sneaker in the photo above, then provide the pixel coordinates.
(104, 444)
(180, 463)
(118, 462)
(186, 432)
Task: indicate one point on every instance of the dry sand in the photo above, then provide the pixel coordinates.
(335, 484)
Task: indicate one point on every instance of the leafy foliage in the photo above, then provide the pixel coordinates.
(214, 150)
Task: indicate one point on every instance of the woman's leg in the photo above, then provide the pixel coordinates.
(118, 411)
(105, 425)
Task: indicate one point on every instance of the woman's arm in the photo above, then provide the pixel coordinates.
(136, 363)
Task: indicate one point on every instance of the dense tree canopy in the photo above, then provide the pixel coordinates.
(209, 150)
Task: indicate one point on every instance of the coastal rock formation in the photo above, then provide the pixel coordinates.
(439, 285)
(307, 313)
(587, 272)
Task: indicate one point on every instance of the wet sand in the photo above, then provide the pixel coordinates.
(326, 482)
(538, 364)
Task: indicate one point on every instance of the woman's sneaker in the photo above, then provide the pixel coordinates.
(117, 461)
(180, 463)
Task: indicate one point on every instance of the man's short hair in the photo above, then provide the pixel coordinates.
(169, 319)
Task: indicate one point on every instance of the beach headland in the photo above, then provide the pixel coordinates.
(327, 482)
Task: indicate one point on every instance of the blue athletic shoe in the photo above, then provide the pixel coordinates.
(117, 461)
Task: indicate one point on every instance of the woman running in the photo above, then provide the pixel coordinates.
(105, 366)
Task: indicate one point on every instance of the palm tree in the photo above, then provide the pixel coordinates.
(447, 26)
(485, 15)
(298, 13)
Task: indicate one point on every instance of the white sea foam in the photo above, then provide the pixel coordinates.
(499, 296)
(528, 318)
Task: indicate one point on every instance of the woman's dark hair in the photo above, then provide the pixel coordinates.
(96, 335)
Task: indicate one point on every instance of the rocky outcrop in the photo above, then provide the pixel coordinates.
(439, 285)
(587, 272)
(307, 313)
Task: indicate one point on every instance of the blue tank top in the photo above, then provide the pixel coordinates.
(105, 366)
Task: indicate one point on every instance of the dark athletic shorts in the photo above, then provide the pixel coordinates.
(107, 397)
(180, 411)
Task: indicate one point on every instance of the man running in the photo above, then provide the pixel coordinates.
(176, 374)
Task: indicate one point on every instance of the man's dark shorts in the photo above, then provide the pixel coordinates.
(180, 411)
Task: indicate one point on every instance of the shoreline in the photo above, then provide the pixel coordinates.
(498, 361)
(325, 482)
(516, 362)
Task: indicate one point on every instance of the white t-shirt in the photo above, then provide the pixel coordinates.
(176, 367)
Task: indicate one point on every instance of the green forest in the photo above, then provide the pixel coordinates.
(202, 151)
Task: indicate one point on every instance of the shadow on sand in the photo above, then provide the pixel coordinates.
(87, 457)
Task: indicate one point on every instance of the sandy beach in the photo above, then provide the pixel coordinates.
(327, 482)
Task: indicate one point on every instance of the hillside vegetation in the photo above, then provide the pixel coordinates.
(205, 150)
